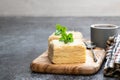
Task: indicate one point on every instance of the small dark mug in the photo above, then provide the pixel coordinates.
(101, 32)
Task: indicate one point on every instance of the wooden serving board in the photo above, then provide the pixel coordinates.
(43, 65)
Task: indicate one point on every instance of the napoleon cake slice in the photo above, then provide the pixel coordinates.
(61, 53)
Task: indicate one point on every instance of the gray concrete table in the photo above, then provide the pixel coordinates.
(22, 39)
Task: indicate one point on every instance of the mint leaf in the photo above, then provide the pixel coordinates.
(60, 29)
(70, 37)
(63, 37)
(66, 38)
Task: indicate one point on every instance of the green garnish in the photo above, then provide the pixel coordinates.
(66, 37)
(60, 29)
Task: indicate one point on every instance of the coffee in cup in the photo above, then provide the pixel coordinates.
(101, 32)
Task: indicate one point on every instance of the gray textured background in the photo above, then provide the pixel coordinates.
(59, 7)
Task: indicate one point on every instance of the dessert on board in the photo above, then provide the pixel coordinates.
(66, 46)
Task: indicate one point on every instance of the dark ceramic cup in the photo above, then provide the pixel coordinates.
(101, 32)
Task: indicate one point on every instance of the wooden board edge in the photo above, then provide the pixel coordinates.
(37, 68)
